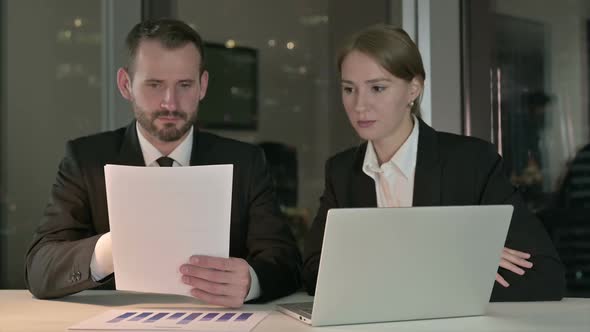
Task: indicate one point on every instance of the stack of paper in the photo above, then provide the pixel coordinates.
(160, 216)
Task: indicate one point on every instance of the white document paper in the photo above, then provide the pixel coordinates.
(160, 216)
(173, 320)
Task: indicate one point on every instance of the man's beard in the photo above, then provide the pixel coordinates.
(169, 133)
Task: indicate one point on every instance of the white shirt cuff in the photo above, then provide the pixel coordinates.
(101, 264)
(254, 286)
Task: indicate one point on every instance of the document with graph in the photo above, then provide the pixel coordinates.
(173, 320)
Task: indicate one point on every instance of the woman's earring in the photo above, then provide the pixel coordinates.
(411, 104)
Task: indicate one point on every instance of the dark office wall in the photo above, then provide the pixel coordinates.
(477, 46)
(303, 111)
(52, 93)
(152, 9)
(348, 19)
(59, 112)
(2, 137)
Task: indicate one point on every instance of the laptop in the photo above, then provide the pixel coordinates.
(392, 264)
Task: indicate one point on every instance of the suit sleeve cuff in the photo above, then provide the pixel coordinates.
(254, 292)
(101, 264)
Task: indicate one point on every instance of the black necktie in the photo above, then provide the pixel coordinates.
(165, 161)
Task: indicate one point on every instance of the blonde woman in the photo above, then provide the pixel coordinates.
(404, 162)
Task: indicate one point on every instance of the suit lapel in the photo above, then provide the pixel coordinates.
(130, 152)
(362, 187)
(199, 155)
(427, 179)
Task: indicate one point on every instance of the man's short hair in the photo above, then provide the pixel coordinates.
(170, 33)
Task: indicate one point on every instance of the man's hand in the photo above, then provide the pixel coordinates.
(513, 260)
(219, 281)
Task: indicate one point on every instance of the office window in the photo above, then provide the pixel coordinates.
(51, 92)
(55, 87)
(539, 113)
(298, 120)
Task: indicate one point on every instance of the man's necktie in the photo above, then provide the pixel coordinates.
(165, 161)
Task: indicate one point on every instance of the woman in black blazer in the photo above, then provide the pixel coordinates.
(404, 162)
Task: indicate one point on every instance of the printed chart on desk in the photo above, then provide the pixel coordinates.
(181, 320)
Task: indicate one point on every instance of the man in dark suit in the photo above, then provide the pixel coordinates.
(164, 81)
(450, 170)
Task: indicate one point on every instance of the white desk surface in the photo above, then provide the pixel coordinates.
(19, 311)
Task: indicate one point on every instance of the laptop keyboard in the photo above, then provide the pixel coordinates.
(305, 307)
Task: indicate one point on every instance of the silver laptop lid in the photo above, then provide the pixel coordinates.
(386, 264)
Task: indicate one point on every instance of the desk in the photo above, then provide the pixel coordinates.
(19, 311)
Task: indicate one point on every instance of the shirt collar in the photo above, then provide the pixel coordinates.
(404, 159)
(181, 155)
